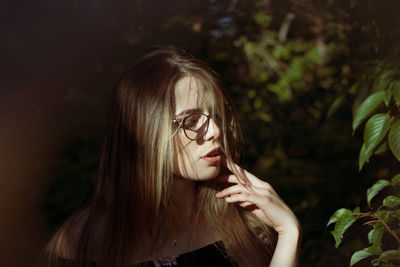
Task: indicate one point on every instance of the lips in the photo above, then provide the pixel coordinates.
(213, 157)
(214, 152)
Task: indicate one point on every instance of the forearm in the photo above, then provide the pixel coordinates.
(287, 249)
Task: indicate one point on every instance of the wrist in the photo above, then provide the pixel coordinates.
(293, 232)
(287, 248)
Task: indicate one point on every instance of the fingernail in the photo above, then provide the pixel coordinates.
(218, 194)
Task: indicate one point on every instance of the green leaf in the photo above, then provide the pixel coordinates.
(366, 252)
(265, 117)
(378, 186)
(394, 139)
(375, 236)
(382, 148)
(363, 157)
(344, 218)
(248, 48)
(383, 80)
(390, 255)
(375, 262)
(375, 129)
(367, 107)
(396, 213)
(395, 179)
(338, 214)
(262, 18)
(396, 92)
(251, 93)
(381, 214)
(387, 97)
(356, 210)
(391, 201)
(257, 103)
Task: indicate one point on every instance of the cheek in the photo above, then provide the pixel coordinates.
(187, 163)
(188, 166)
(183, 158)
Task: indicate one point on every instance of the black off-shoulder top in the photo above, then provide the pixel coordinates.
(210, 255)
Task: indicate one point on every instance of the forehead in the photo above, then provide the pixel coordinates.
(191, 94)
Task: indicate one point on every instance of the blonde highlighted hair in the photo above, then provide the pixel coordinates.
(132, 188)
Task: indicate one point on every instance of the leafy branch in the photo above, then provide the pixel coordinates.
(381, 111)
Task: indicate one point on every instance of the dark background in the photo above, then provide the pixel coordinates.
(294, 68)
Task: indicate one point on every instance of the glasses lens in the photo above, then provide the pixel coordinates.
(195, 126)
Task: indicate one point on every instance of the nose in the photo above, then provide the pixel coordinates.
(213, 131)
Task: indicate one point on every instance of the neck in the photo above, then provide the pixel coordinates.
(183, 199)
(184, 234)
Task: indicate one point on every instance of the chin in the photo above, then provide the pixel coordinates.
(199, 174)
(209, 174)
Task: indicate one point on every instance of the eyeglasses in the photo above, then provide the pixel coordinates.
(195, 125)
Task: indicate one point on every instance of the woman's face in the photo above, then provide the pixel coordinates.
(195, 159)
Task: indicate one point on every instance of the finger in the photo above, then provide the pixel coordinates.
(247, 205)
(239, 188)
(259, 201)
(245, 197)
(235, 189)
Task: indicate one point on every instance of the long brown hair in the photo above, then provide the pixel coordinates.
(132, 187)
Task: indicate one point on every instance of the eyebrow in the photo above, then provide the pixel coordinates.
(189, 111)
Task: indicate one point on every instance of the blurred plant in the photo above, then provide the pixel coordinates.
(285, 65)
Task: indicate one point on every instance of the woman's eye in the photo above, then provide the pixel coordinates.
(192, 121)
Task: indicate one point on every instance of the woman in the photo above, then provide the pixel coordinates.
(168, 191)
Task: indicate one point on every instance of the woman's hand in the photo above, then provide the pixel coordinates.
(261, 199)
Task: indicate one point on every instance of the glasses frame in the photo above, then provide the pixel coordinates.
(182, 120)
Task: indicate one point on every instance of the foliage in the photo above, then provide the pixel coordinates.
(376, 103)
(384, 219)
(380, 129)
